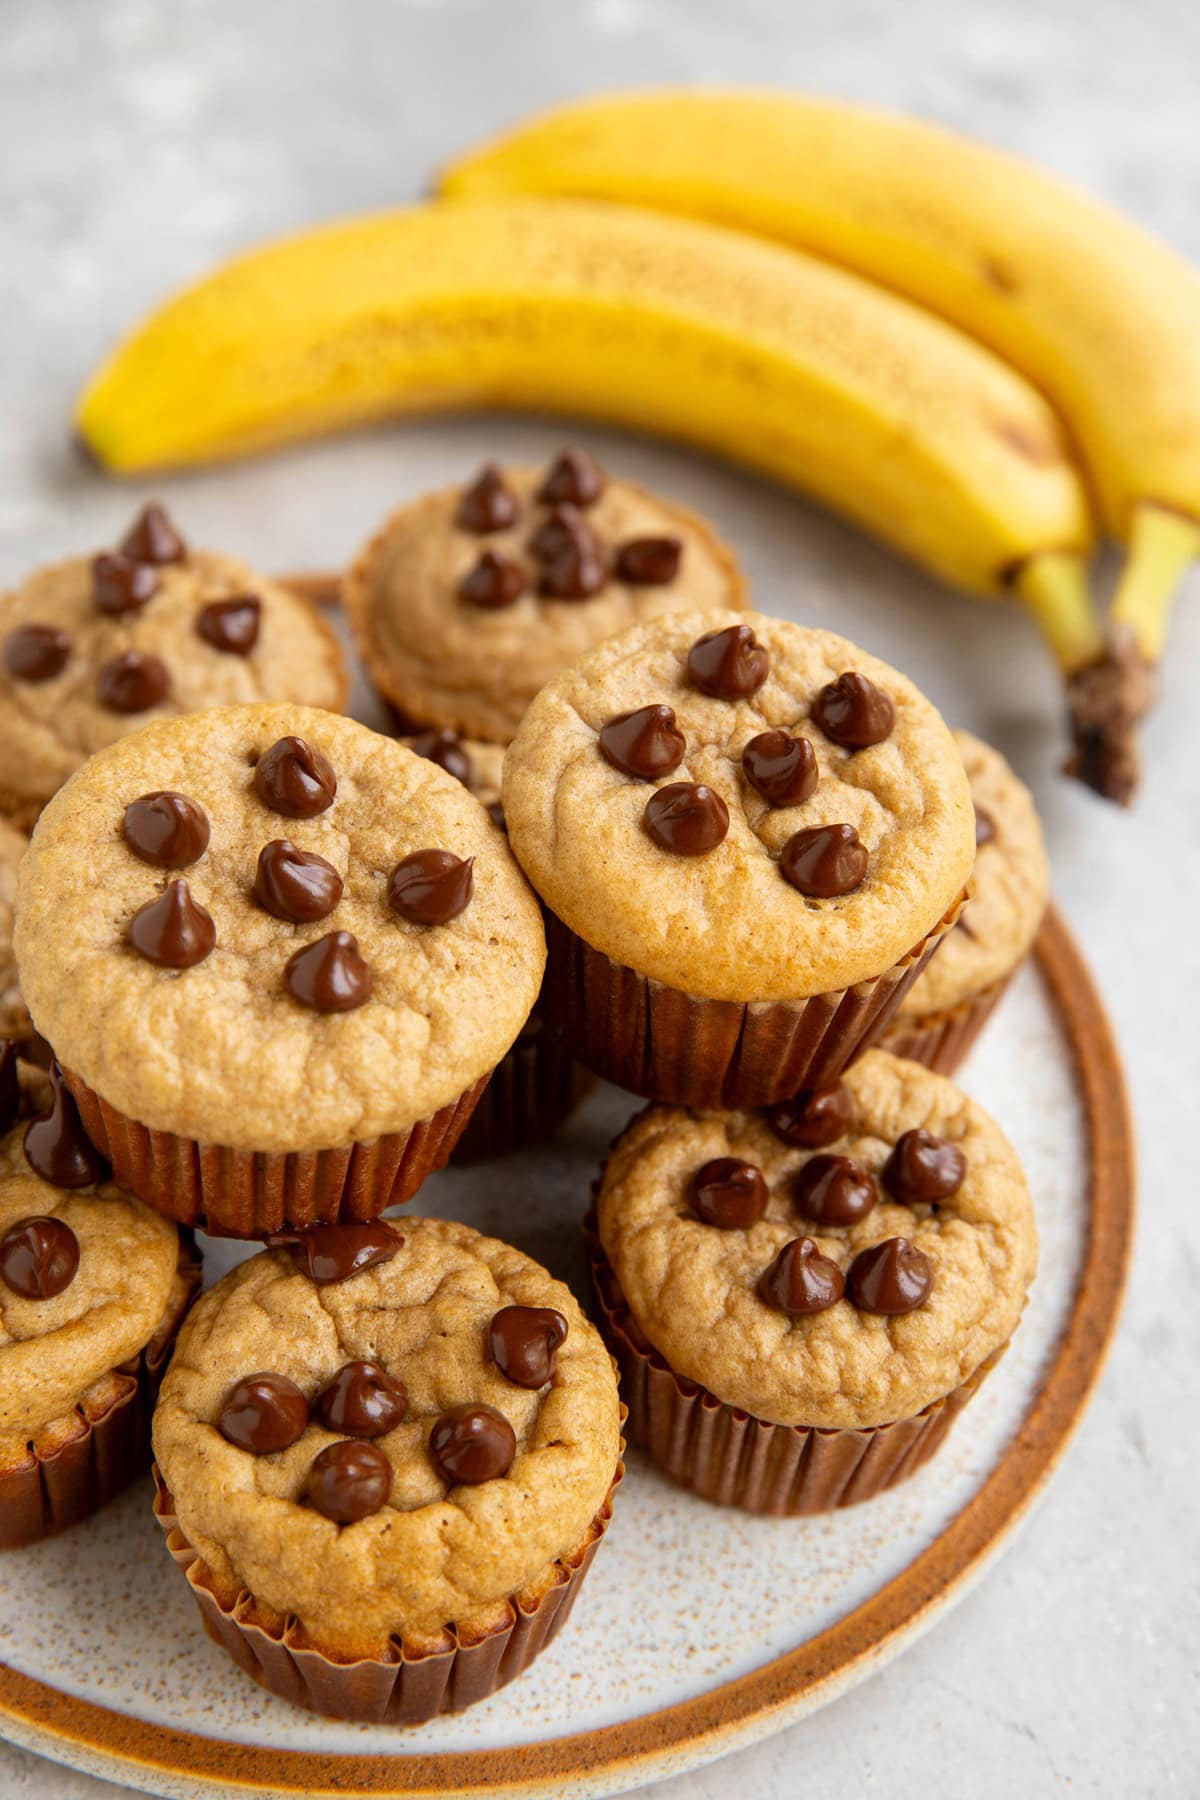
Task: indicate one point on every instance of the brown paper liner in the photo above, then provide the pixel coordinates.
(941, 1040)
(77, 1464)
(248, 1193)
(414, 1683)
(728, 1456)
(684, 1051)
(532, 1090)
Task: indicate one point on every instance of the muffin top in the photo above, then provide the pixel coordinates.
(86, 1271)
(268, 927)
(740, 807)
(847, 1277)
(1012, 880)
(469, 600)
(473, 1475)
(14, 1019)
(93, 647)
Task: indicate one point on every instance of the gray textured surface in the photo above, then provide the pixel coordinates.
(138, 142)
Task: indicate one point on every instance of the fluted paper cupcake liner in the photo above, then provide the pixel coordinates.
(532, 1090)
(248, 1193)
(941, 1040)
(413, 1684)
(685, 1051)
(77, 1464)
(726, 1455)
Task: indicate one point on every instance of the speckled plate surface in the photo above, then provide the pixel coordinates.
(699, 1628)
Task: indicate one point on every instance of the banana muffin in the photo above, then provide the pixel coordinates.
(948, 1005)
(749, 836)
(802, 1299)
(93, 1288)
(468, 601)
(92, 647)
(278, 957)
(14, 1017)
(386, 1457)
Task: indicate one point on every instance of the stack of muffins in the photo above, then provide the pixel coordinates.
(282, 968)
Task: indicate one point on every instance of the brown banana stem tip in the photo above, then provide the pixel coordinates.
(1107, 700)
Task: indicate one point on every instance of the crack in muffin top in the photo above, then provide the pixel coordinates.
(694, 1289)
(726, 925)
(224, 1051)
(432, 1553)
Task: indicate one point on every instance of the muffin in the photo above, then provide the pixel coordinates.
(468, 601)
(93, 647)
(385, 1464)
(14, 1018)
(278, 957)
(801, 1300)
(749, 836)
(948, 1005)
(93, 1288)
(538, 1084)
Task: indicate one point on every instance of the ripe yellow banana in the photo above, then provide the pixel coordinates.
(756, 352)
(1104, 319)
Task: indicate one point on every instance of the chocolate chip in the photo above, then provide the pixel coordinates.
(330, 975)
(39, 1257)
(686, 817)
(10, 1086)
(835, 1190)
(263, 1413)
(294, 779)
(574, 476)
(330, 1253)
(120, 585)
(362, 1400)
(649, 561)
(824, 860)
(152, 538)
(349, 1481)
(811, 1119)
(133, 682)
(782, 768)
(166, 829)
(985, 827)
(801, 1280)
(231, 625)
(470, 1444)
(297, 885)
(445, 749)
(923, 1168)
(36, 652)
(173, 930)
(573, 566)
(496, 580)
(891, 1277)
(495, 813)
(854, 712)
(431, 887)
(729, 664)
(728, 1193)
(524, 1341)
(57, 1147)
(564, 528)
(646, 743)
(489, 504)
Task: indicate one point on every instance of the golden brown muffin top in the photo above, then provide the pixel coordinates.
(429, 1551)
(68, 686)
(451, 661)
(725, 923)
(695, 1288)
(238, 1046)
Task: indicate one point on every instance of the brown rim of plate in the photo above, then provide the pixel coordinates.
(742, 1709)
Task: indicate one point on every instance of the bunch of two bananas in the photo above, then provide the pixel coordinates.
(969, 359)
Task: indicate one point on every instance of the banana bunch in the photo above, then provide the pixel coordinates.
(536, 285)
(1099, 316)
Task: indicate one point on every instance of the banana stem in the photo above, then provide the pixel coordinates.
(1054, 587)
(1161, 546)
